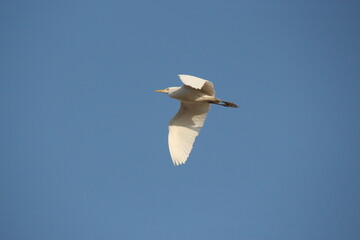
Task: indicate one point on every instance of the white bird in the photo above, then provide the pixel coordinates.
(195, 95)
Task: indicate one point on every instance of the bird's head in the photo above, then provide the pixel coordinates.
(168, 90)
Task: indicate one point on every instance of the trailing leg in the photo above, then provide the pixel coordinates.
(223, 103)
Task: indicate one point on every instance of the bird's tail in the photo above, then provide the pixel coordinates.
(224, 103)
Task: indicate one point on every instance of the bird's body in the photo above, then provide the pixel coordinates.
(189, 95)
(195, 95)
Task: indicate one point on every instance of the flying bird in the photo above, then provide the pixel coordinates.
(195, 96)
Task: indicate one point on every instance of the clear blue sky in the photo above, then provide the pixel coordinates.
(83, 143)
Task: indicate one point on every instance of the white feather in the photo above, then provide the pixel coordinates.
(198, 83)
(184, 127)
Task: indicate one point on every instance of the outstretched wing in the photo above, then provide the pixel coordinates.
(198, 83)
(184, 128)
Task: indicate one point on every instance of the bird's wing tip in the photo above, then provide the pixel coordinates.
(178, 163)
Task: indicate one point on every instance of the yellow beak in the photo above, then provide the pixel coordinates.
(162, 90)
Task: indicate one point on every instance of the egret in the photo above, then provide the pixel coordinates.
(195, 96)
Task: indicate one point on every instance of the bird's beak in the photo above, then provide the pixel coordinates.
(162, 90)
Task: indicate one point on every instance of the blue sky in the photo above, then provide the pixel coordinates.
(83, 144)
